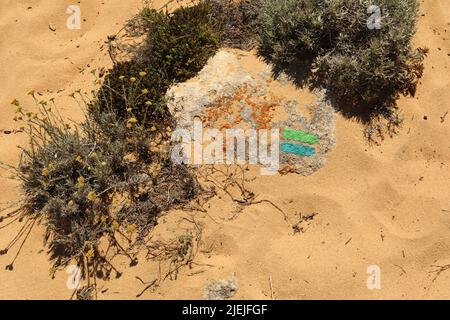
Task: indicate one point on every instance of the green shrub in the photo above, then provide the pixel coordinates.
(290, 31)
(176, 48)
(364, 70)
(125, 92)
(180, 43)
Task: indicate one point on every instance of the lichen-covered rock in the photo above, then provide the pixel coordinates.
(221, 289)
(225, 95)
(221, 77)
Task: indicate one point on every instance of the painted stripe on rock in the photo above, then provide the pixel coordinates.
(297, 149)
(300, 136)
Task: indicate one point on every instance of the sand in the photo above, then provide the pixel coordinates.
(386, 205)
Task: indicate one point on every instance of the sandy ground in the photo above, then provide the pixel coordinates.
(387, 206)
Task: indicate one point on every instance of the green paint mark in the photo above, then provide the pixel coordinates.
(300, 136)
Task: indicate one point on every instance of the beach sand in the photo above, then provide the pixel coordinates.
(386, 205)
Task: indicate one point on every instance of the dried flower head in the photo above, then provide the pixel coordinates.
(92, 196)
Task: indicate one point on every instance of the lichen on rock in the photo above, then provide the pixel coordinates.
(225, 95)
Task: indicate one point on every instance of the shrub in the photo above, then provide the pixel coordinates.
(236, 21)
(104, 181)
(364, 70)
(176, 47)
(125, 92)
(290, 31)
(180, 43)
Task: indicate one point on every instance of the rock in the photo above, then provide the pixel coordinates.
(221, 77)
(221, 289)
(226, 95)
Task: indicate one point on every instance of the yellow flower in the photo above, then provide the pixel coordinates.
(154, 169)
(133, 79)
(115, 225)
(121, 77)
(80, 182)
(71, 203)
(78, 159)
(132, 120)
(144, 91)
(90, 253)
(15, 102)
(45, 172)
(142, 74)
(94, 155)
(92, 196)
(131, 228)
(129, 110)
(148, 103)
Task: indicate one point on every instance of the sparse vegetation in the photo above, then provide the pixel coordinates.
(98, 187)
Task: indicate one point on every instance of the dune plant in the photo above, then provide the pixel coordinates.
(236, 21)
(176, 47)
(329, 44)
(98, 187)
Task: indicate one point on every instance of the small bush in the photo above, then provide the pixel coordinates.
(176, 47)
(364, 70)
(128, 90)
(180, 43)
(104, 181)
